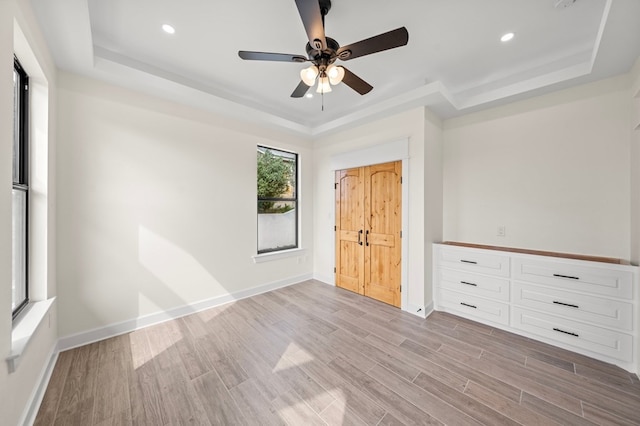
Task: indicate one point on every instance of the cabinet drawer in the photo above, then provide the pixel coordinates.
(475, 306)
(579, 335)
(479, 285)
(474, 261)
(581, 307)
(603, 281)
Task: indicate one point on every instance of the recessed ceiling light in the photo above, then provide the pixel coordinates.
(507, 37)
(168, 29)
(309, 95)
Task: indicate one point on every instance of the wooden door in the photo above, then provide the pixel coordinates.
(383, 196)
(368, 226)
(349, 229)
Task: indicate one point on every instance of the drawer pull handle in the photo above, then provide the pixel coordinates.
(467, 283)
(566, 276)
(469, 261)
(566, 304)
(470, 306)
(566, 332)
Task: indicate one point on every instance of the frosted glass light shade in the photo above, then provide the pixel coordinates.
(335, 73)
(323, 85)
(308, 75)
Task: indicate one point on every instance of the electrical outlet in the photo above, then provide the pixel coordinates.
(502, 231)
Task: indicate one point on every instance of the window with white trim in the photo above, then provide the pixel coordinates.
(277, 200)
(20, 199)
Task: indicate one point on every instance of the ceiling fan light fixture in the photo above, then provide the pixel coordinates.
(308, 75)
(335, 74)
(323, 85)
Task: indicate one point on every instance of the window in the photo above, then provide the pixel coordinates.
(277, 200)
(19, 283)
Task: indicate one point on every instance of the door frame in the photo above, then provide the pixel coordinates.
(397, 150)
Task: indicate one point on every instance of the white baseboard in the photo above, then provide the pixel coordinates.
(416, 310)
(33, 404)
(428, 309)
(101, 333)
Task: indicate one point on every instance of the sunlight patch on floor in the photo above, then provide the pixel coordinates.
(293, 355)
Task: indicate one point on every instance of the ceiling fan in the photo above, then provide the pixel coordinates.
(323, 51)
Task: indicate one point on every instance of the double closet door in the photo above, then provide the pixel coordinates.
(368, 230)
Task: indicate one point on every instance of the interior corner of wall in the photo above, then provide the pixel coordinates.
(432, 118)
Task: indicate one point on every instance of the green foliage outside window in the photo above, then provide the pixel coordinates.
(275, 176)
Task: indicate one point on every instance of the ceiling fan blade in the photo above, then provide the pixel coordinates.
(355, 82)
(268, 56)
(300, 91)
(312, 20)
(389, 40)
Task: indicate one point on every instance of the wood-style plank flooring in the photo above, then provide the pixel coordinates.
(313, 354)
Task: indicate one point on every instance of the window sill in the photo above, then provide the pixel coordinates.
(277, 255)
(24, 329)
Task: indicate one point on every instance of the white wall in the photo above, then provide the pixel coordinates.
(19, 33)
(409, 125)
(433, 140)
(634, 104)
(554, 170)
(157, 206)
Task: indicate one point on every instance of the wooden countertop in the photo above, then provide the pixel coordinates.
(541, 253)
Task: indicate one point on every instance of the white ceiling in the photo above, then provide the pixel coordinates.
(454, 62)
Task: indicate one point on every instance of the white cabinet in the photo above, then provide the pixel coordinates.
(476, 307)
(570, 304)
(575, 277)
(475, 284)
(463, 259)
(587, 306)
(598, 340)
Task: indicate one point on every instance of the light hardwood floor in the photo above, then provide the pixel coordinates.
(313, 354)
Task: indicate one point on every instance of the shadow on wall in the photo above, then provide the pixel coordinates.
(164, 285)
(171, 265)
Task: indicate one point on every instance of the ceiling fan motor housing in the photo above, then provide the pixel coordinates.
(323, 57)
